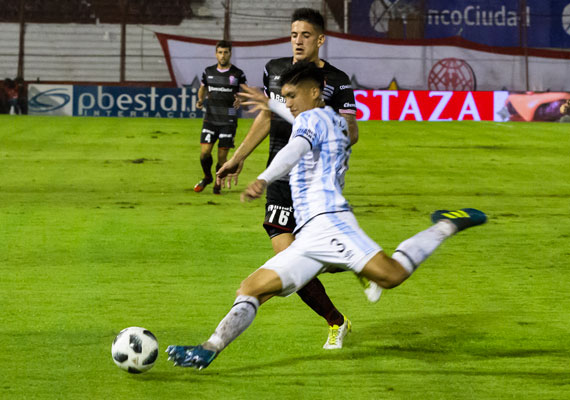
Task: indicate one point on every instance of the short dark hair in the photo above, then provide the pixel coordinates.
(224, 44)
(303, 71)
(314, 17)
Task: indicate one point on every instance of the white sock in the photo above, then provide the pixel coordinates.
(413, 251)
(234, 323)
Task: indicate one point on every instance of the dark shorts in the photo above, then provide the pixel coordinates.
(279, 216)
(224, 133)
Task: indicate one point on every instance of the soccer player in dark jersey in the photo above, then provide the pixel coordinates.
(220, 83)
(307, 36)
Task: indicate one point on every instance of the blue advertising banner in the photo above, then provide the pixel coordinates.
(116, 101)
(113, 101)
(489, 22)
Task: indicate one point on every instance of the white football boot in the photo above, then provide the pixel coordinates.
(337, 334)
(371, 289)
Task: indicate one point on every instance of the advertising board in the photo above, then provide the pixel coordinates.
(384, 105)
(488, 22)
(113, 101)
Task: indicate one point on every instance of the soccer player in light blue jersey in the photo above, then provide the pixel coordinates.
(327, 235)
(307, 38)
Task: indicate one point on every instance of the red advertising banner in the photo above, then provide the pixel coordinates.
(425, 105)
(419, 105)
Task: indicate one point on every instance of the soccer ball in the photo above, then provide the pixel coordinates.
(135, 350)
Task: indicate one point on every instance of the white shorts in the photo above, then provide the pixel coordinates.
(327, 241)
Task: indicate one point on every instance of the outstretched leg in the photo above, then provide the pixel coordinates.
(389, 272)
(282, 275)
(254, 291)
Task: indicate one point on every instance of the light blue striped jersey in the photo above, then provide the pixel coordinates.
(317, 179)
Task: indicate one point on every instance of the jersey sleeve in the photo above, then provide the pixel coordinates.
(204, 80)
(285, 160)
(242, 79)
(343, 98)
(309, 127)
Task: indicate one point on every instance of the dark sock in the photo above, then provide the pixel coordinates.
(315, 296)
(207, 162)
(218, 166)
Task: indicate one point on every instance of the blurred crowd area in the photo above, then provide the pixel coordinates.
(163, 12)
(13, 96)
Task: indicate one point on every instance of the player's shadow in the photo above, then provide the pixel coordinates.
(439, 338)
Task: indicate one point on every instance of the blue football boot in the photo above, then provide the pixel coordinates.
(191, 356)
(462, 219)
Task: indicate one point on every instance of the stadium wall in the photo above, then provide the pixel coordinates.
(75, 52)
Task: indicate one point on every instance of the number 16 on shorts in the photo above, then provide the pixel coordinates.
(280, 216)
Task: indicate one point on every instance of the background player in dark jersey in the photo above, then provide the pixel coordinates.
(307, 36)
(220, 83)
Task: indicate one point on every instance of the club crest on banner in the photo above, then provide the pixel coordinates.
(451, 74)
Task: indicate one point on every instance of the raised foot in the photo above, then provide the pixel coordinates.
(462, 219)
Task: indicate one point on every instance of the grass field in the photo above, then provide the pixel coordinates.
(100, 230)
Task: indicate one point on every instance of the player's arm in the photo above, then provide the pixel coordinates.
(201, 97)
(352, 127)
(281, 165)
(243, 85)
(343, 100)
(258, 131)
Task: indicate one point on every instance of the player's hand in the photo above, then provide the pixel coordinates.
(254, 190)
(237, 102)
(253, 97)
(199, 105)
(230, 170)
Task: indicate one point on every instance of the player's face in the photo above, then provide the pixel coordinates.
(305, 41)
(223, 56)
(302, 97)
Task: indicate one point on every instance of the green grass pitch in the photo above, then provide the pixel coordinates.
(100, 230)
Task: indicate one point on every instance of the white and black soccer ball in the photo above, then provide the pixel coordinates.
(135, 350)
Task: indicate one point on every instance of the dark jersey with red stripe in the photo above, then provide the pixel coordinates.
(337, 93)
(221, 87)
